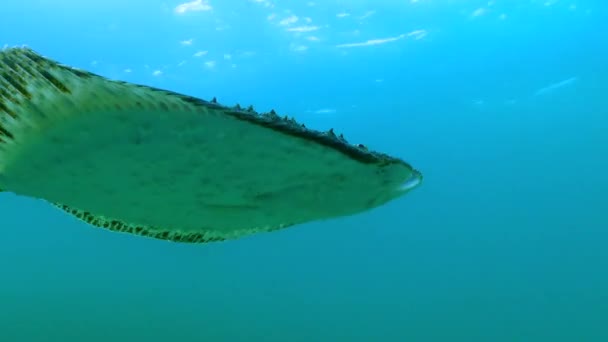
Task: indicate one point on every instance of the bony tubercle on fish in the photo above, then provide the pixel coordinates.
(155, 163)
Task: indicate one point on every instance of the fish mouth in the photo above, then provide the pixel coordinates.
(412, 182)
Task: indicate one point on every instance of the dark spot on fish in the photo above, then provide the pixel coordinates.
(191, 100)
(17, 82)
(34, 57)
(6, 133)
(6, 95)
(58, 84)
(79, 73)
(9, 61)
(5, 109)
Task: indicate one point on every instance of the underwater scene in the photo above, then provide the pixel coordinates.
(336, 170)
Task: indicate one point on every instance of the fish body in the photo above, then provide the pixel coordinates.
(155, 163)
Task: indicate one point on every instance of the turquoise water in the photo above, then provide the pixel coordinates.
(501, 104)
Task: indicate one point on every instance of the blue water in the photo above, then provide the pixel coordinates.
(501, 104)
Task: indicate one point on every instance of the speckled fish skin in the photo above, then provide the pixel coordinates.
(154, 163)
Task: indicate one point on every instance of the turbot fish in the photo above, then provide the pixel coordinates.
(150, 162)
